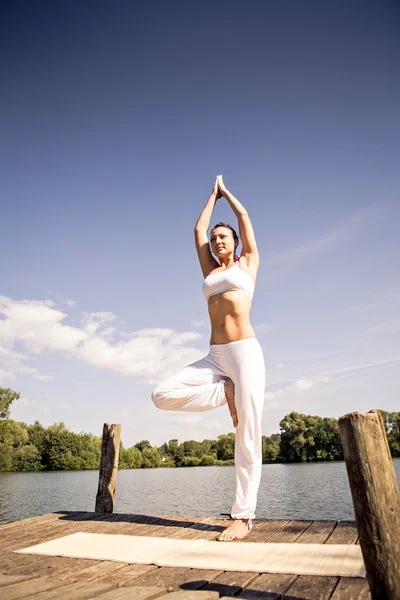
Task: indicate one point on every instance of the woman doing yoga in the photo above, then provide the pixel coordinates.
(233, 372)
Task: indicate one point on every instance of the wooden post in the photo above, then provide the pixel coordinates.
(108, 468)
(376, 500)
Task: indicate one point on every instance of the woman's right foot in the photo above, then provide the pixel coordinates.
(230, 400)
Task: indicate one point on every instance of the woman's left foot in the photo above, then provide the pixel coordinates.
(238, 530)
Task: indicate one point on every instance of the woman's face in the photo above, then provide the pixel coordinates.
(222, 242)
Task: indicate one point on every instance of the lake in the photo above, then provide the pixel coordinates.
(291, 491)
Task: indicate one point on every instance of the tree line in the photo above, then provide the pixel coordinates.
(302, 438)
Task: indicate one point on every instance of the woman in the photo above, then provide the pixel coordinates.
(233, 372)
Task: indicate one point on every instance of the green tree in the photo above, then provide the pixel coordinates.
(37, 436)
(163, 450)
(309, 438)
(6, 457)
(226, 446)
(192, 448)
(151, 458)
(7, 397)
(328, 445)
(391, 421)
(90, 450)
(190, 461)
(207, 461)
(298, 437)
(142, 445)
(13, 433)
(27, 458)
(176, 452)
(130, 458)
(65, 450)
(271, 447)
(209, 447)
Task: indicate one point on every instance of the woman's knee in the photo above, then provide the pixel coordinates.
(159, 398)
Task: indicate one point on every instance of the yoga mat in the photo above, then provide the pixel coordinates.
(300, 559)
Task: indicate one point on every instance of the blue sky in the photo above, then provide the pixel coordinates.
(116, 117)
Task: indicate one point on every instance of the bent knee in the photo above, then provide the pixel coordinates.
(158, 398)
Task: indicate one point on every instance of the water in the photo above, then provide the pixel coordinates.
(294, 491)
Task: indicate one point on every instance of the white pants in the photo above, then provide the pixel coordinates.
(200, 386)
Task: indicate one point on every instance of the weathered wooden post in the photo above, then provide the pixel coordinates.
(108, 468)
(376, 500)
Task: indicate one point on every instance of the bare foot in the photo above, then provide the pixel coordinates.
(236, 531)
(230, 399)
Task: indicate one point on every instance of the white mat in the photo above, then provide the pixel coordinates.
(301, 559)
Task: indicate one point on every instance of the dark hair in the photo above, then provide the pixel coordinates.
(221, 224)
(235, 235)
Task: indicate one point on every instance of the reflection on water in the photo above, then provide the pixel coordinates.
(295, 491)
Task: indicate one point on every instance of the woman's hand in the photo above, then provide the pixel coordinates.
(222, 189)
(216, 189)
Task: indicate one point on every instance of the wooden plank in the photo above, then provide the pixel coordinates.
(376, 499)
(268, 586)
(128, 574)
(208, 529)
(131, 593)
(191, 595)
(263, 530)
(9, 579)
(27, 588)
(352, 588)
(344, 533)
(55, 524)
(311, 587)
(13, 563)
(50, 531)
(95, 570)
(73, 591)
(231, 583)
(41, 565)
(289, 532)
(38, 519)
(173, 578)
(320, 532)
(317, 533)
(160, 527)
(21, 529)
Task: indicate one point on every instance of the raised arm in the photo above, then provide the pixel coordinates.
(249, 246)
(207, 261)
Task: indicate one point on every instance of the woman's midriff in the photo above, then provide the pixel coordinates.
(230, 317)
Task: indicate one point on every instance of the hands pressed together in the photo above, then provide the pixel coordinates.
(219, 188)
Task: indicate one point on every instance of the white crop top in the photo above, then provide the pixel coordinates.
(232, 279)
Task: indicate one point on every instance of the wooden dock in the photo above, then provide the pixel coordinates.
(47, 577)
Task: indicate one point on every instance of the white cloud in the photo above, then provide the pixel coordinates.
(298, 386)
(148, 354)
(303, 384)
(12, 363)
(37, 325)
(214, 426)
(192, 419)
